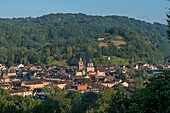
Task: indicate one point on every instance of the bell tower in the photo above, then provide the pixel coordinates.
(90, 66)
(81, 66)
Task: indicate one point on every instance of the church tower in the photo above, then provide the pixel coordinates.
(81, 66)
(90, 66)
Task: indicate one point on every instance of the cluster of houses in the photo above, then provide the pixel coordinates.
(30, 80)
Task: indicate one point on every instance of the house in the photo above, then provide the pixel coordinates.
(123, 70)
(59, 85)
(136, 66)
(96, 87)
(1, 67)
(117, 81)
(108, 84)
(23, 91)
(4, 78)
(69, 84)
(12, 72)
(154, 72)
(42, 96)
(100, 39)
(36, 68)
(20, 66)
(33, 84)
(101, 73)
(79, 73)
(5, 86)
(125, 84)
(111, 83)
(24, 73)
(55, 83)
(81, 87)
(16, 83)
(91, 73)
(86, 77)
(109, 78)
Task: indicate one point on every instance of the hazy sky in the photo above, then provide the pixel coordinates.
(147, 10)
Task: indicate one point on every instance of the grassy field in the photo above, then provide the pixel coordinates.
(102, 44)
(118, 43)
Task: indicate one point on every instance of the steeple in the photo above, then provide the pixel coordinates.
(80, 59)
(90, 66)
(90, 63)
(90, 60)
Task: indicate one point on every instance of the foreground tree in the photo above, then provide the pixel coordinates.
(155, 98)
(168, 15)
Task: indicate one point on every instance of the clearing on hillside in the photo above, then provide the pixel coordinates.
(118, 43)
(118, 37)
(102, 44)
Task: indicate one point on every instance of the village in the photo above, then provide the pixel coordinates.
(28, 81)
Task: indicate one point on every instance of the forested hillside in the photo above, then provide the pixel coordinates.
(60, 39)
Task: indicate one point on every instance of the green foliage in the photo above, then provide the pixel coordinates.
(48, 90)
(57, 37)
(59, 103)
(140, 78)
(76, 101)
(166, 72)
(154, 98)
(120, 102)
(168, 24)
(3, 92)
(88, 101)
(16, 104)
(87, 81)
(118, 61)
(104, 101)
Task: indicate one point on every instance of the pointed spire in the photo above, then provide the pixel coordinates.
(90, 60)
(80, 59)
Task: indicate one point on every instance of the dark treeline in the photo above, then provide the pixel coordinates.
(63, 38)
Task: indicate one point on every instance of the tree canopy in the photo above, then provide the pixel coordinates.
(60, 39)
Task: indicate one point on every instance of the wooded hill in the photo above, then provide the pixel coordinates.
(60, 39)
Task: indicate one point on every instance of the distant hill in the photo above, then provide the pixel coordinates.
(65, 37)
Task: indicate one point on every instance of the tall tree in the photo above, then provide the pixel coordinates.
(155, 98)
(168, 15)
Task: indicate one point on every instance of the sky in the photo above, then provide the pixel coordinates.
(145, 10)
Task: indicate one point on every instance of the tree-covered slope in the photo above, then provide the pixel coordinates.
(66, 37)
